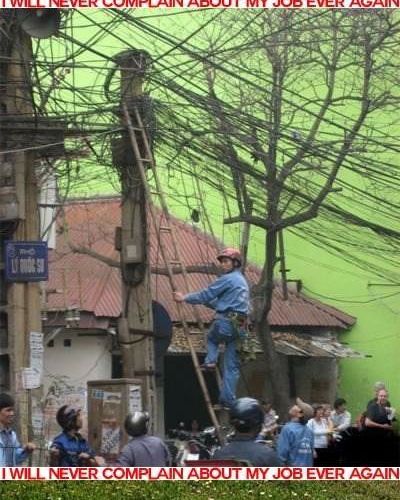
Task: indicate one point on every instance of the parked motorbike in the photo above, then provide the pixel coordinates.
(184, 445)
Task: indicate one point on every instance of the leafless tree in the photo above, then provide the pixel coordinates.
(282, 129)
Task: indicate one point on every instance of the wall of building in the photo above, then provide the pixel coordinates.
(254, 380)
(78, 359)
(68, 366)
(313, 379)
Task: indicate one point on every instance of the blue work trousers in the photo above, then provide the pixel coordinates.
(222, 331)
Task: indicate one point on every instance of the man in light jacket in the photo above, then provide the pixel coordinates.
(229, 297)
(296, 441)
(11, 452)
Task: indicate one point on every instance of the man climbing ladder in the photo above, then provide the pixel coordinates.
(229, 296)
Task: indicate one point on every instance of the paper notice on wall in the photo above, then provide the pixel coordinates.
(36, 353)
(36, 341)
(37, 421)
(112, 397)
(135, 398)
(30, 378)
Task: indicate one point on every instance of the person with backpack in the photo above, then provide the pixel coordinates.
(295, 444)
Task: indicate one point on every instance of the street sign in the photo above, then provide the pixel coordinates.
(26, 261)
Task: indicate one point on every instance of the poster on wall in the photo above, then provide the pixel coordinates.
(61, 393)
(135, 398)
(111, 431)
(36, 354)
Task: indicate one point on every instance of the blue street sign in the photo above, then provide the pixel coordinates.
(26, 261)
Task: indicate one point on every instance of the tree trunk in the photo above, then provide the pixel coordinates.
(262, 303)
(276, 373)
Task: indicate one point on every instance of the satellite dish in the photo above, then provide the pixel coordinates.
(39, 23)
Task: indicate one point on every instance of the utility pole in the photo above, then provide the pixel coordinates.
(23, 141)
(135, 331)
(23, 299)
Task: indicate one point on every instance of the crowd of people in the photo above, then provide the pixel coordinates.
(312, 435)
(321, 436)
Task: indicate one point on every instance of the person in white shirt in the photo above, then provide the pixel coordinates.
(320, 427)
(340, 417)
(270, 425)
(341, 427)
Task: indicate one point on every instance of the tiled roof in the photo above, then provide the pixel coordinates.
(80, 280)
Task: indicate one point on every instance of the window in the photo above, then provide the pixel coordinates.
(67, 342)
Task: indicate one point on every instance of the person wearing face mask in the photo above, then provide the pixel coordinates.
(295, 445)
(228, 295)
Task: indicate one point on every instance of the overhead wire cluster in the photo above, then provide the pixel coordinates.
(212, 81)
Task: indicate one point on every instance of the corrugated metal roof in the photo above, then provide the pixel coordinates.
(288, 344)
(78, 279)
(311, 346)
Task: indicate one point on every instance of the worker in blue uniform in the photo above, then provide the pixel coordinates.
(228, 295)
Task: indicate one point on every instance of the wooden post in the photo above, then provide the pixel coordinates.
(136, 325)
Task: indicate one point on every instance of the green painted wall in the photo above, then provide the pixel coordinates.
(377, 332)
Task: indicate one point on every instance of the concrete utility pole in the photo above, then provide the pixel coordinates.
(23, 137)
(23, 298)
(136, 325)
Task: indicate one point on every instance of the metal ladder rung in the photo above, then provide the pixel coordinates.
(176, 263)
(165, 228)
(147, 160)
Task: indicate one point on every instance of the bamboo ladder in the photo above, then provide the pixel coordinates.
(168, 228)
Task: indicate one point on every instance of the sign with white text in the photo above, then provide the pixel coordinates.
(26, 261)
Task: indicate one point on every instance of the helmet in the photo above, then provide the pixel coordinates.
(246, 414)
(137, 424)
(66, 417)
(231, 253)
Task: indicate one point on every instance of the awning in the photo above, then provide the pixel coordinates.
(315, 347)
(289, 344)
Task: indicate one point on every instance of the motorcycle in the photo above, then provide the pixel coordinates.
(185, 445)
